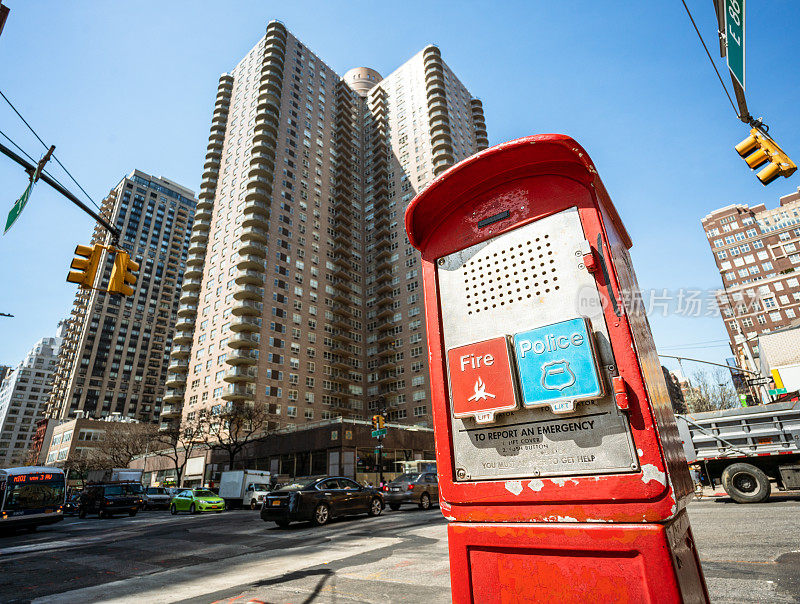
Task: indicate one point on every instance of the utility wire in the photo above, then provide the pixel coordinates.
(725, 88)
(46, 146)
(21, 150)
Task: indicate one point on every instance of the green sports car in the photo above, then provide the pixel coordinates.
(196, 500)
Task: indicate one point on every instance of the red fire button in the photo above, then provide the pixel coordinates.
(481, 379)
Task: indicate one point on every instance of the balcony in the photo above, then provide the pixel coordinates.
(384, 311)
(238, 392)
(189, 297)
(255, 206)
(171, 411)
(250, 277)
(198, 237)
(185, 324)
(254, 234)
(247, 307)
(175, 380)
(174, 396)
(249, 292)
(242, 356)
(252, 248)
(244, 339)
(193, 270)
(183, 337)
(244, 262)
(187, 310)
(245, 324)
(178, 365)
(180, 352)
(241, 374)
(198, 247)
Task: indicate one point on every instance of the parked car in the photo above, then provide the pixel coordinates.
(107, 499)
(156, 497)
(72, 504)
(412, 487)
(196, 500)
(319, 500)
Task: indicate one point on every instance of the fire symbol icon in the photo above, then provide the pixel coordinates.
(480, 392)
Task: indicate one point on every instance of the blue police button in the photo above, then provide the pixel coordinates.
(557, 365)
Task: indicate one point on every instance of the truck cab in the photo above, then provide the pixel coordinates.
(255, 494)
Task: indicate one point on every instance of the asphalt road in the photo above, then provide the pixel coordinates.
(750, 554)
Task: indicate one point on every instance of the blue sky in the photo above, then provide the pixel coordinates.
(117, 86)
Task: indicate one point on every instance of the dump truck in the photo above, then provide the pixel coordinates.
(745, 449)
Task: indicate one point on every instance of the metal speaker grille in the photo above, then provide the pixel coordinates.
(510, 275)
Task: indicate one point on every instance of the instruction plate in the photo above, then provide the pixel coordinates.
(528, 278)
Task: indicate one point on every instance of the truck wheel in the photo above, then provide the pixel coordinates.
(745, 483)
(253, 504)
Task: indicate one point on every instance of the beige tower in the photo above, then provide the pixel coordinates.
(114, 358)
(301, 290)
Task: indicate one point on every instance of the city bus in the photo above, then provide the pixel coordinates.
(31, 496)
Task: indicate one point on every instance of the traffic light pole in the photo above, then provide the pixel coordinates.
(113, 231)
(380, 461)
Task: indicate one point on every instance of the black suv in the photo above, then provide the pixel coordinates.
(107, 499)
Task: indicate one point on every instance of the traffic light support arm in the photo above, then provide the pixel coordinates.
(30, 168)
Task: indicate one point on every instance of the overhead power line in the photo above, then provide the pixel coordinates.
(21, 150)
(719, 77)
(46, 146)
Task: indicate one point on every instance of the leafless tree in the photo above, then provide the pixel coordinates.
(89, 459)
(177, 444)
(233, 427)
(710, 392)
(122, 441)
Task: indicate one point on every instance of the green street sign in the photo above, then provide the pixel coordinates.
(379, 433)
(17, 208)
(734, 35)
(777, 391)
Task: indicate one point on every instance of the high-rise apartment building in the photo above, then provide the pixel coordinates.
(116, 350)
(23, 399)
(301, 290)
(757, 252)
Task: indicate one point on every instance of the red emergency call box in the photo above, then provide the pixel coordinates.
(551, 414)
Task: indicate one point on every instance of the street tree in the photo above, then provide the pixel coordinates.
(711, 392)
(122, 441)
(233, 427)
(177, 444)
(80, 465)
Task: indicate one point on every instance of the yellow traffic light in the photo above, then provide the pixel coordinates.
(122, 275)
(759, 149)
(381, 422)
(86, 263)
(375, 422)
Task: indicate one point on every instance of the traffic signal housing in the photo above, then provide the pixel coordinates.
(759, 149)
(375, 422)
(122, 275)
(381, 422)
(86, 262)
